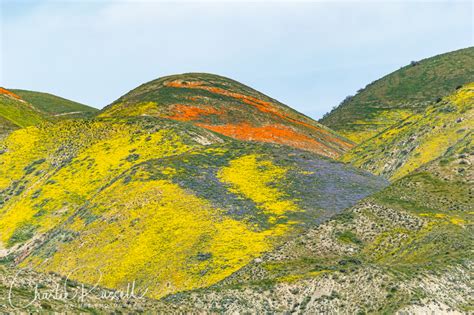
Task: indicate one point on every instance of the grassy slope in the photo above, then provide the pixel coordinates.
(423, 137)
(229, 108)
(164, 203)
(407, 247)
(400, 94)
(16, 113)
(55, 105)
(6, 126)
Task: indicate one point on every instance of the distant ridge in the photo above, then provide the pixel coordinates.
(16, 113)
(55, 105)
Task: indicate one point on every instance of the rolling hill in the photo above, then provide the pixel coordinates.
(400, 94)
(407, 249)
(15, 113)
(229, 108)
(187, 187)
(56, 106)
(21, 108)
(168, 204)
(419, 139)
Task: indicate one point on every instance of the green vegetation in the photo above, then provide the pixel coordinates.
(399, 249)
(168, 204)
(55, 105)
(419, 139)
(15, 113)
(21, 234)
(405, 248)
(400, 94)
(229, 108)
(195, 186)
(348, 237)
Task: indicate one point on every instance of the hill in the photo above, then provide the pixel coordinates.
(404, 249)
(148, 193)
(164, 203)
(400, 94)
(419, 139)
(15, 113)
(229, 108)
(55, 105)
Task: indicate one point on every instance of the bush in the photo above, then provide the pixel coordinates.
(22, 234)
(348, 237)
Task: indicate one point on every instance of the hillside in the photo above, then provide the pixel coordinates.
(218, 199)
(229, 108)
(400, 94)
(15, 113)
(164, 203)
(404, 249)
(419, 139)
(55, 105)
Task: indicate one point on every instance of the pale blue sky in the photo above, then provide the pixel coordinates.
(309, 55)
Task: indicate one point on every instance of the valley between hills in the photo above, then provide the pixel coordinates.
(212, 197)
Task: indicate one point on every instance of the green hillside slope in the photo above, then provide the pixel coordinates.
(229, 108)
(419, 139)
(164, 203)
(16, 113)
(55, 105)
(400, 94)
(407, 249)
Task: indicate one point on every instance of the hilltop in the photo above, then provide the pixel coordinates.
(400, 94)
(54, 105)
(16, 113)
(22, 108)
(229, 108)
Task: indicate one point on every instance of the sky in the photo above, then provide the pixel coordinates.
(307, 54)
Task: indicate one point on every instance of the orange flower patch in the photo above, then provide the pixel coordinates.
(6, 92)
(188, 112)
(194, 98)
(261, 105)
(274, 134)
